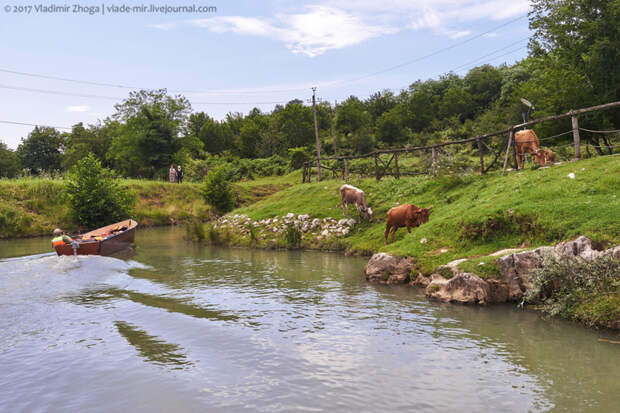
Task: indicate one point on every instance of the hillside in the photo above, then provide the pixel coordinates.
(31, 207)
(472, 215)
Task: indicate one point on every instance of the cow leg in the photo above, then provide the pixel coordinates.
(342, 206)
(519, 160)
(393, 233)
(408, 228)
(385, 234)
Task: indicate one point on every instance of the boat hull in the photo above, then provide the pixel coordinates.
(107, 246)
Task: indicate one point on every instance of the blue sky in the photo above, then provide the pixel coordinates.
(245, 52)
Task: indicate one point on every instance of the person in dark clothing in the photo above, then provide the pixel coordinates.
(179, 175)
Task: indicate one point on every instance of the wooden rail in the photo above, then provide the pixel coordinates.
(381, 167)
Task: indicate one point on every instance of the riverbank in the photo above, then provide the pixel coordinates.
(34, 207)
(472, 217)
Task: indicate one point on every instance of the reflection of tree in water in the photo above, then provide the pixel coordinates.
(151, 348)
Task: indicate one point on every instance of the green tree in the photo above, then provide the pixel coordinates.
(147, 138)
(296, 123)
(217, 191)
(352, 116)
(391, 128)
(42, 150)
(380, 102)
(9, 162)
(585, 36)
(249, 139)
(84, 140)
(483, 84)
(96, 199)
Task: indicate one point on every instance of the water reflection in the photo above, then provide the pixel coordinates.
(252, 330)
(152, 348)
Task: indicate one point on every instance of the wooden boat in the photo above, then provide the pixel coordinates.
(102, 241)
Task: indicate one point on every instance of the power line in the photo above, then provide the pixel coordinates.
(417, 59)
(33, 124)
(58, 92)
(495, 58)
(119, 86)
(489, 54)
(219, 92)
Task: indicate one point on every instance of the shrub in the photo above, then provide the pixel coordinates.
(585, 290)
(293, 237)
(297, 158)
(217, 191)
(94, 196)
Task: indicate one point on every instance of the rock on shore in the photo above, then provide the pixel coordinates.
(449, 284)
(387, 269)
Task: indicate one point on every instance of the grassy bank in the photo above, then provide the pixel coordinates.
(31, 207)
(473, 215)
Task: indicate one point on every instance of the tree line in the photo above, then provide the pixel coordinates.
(573, 62)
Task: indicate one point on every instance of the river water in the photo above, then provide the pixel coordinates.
(173, 326)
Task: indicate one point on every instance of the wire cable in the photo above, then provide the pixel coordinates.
(33, 124)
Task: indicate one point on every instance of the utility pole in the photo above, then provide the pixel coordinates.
(316, 134)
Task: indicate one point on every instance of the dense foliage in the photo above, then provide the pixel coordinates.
(574, 288)
(573, 62)
(217, 191)
(95, 197)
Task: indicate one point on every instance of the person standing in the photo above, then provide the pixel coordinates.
(172, 174)
(179, 175)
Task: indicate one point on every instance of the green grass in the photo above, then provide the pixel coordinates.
(473, 215)
(485, 266)
(33, 206)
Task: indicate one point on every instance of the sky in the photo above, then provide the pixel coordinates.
(231, 56)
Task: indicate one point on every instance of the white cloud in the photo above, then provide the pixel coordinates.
(319, 29)
(78, 108)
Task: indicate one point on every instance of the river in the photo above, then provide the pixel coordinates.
(173, 326)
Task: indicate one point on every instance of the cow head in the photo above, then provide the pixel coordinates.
(423, 215)
(417, 216)
(544, 156)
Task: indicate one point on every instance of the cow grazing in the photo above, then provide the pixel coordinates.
(548, 157)
(352, 195)
(526, 141)
(407, 215)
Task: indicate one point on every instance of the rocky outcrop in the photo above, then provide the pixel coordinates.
(464, 288)
(420, 281)
(271, 228)
(450, 284)
(516, 268)
(387, 269)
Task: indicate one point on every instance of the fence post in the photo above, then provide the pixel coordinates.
(576, 138)
(346, 169)
(377, 176)
(434, 160)
(396, 170)
(510, 135)
(481, 157)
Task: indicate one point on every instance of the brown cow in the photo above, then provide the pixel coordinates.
(526, 141)
(407, 215)
(352, 195)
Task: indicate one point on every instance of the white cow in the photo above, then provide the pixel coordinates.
(352, 195)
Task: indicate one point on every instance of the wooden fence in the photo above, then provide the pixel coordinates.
(390, 166)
